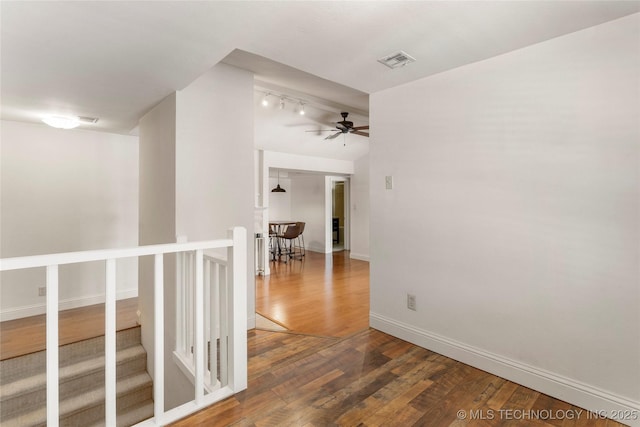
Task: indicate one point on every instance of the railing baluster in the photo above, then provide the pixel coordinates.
(224, 329)
(190, 302)
(52, 347)
(179, 302)
(158, 302)
(110, 343)
(213, 324)
(207, 311)
(237, 284)
(199, 328)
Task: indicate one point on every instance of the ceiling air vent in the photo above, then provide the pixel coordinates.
(90, 120)
(399, 59)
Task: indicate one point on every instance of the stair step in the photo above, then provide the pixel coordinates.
(81, 375)
(90, 371)
(31, 364)
(89, 405)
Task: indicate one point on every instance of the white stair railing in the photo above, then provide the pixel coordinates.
(216, 325)
(224, 312)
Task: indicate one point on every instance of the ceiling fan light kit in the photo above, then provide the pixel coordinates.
(344, 127)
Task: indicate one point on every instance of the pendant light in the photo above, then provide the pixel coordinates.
(278, 189)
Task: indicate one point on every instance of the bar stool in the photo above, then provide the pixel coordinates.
(301, 245)
(289, 236)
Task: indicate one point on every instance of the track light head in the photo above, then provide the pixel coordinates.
(265, 100)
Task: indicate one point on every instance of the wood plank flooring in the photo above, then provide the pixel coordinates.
(373, 379)
(324, 295)
(346, 374)
(28, 335)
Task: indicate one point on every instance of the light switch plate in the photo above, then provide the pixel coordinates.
(388, 182)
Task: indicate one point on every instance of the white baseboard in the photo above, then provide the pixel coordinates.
(316, 248)
(66, 304)
(563, 388)
(251, 321)
(360, 257)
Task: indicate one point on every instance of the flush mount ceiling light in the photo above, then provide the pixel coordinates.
(61, 122)
(397, 60)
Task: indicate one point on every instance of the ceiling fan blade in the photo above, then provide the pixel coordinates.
(335, 135)
(321, 130)
(360, 127)
(357, 132)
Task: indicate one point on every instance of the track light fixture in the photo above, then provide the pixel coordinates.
(282, 104)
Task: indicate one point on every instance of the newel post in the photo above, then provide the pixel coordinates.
(237, 261)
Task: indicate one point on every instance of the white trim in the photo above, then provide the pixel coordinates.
(555, 385)
(188, 408)
(66, 304)
(251, 321)
(317, 248)
(360, 257)
(18, 263)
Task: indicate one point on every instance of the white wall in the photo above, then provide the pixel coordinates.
(515, 214)
(64, 191)
(308, 206)
(280, 203)
(360, 210)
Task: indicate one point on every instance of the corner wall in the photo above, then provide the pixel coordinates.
(514, 218)
(196, 182)
(215, 161)
(158, 225)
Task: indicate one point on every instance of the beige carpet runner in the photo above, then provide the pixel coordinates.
(23, 384)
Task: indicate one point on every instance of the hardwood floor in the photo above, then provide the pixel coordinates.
(346, 374)
(324, 295)
(28, 335)
(373, 379)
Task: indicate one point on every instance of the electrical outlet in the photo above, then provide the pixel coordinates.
(42, 291)
(411, 302)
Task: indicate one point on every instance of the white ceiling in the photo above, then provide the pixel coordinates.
(116, 60)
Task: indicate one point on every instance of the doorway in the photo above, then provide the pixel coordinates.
(340, 214)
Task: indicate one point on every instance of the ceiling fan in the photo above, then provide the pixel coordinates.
(344, 127)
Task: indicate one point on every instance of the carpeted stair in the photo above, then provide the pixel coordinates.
(23, 384)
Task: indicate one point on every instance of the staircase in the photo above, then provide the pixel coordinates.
(23, 384)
